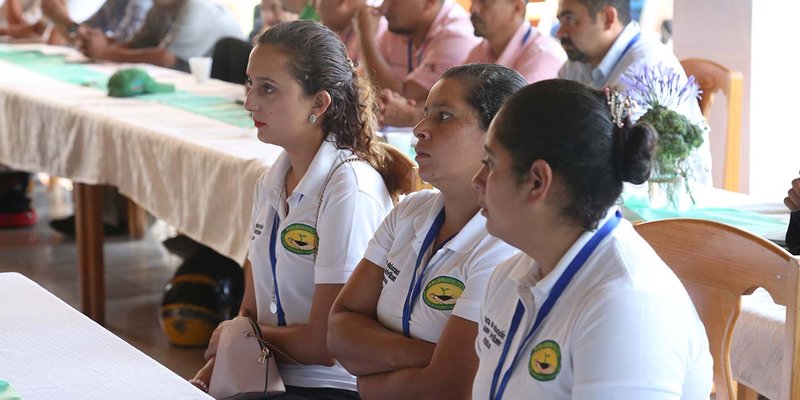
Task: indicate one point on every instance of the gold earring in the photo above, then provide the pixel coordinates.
(312, 118)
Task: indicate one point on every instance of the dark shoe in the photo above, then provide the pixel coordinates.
(20, 219)
(66, 226)
(181, 245)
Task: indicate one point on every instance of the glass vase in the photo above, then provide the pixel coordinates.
(669, 192)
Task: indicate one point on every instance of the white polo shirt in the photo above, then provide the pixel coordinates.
(624, 328)
(355, 202)
(456, 276)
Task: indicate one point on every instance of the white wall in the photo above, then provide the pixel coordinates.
(775, 131)
(243, 11)
(752, 37)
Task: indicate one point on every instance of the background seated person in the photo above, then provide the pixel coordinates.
(406, 321)
(22, 19)
(604, 44)
(118, 19)
(173, 31)
(424, 39)
(339, 15)
(511, 41)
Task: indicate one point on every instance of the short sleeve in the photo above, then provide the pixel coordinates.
(491, 285)
(258, 202)
(479, 272)
(346, 224)
(378, 249)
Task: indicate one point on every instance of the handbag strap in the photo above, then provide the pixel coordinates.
(277, 350)
(322, 195)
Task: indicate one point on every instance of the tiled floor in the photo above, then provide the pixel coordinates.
(136, 271)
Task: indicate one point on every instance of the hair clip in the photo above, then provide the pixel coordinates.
(620, 106)
(353, 64)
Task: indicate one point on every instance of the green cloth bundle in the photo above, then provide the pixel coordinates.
(135, 81)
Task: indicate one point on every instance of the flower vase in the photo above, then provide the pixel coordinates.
(669, 192)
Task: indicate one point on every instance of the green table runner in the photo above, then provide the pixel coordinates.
(758, 224)
(7, 392)
(216, 107)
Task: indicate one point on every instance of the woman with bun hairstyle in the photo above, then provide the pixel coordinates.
(586, 310)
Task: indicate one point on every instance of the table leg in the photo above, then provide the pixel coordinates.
(89, 237)
(137, 220)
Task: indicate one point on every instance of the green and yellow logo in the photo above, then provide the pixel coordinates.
(299, 239)
(442, 292)
(545, 361)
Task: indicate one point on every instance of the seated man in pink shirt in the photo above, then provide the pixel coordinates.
(511, 41)
(425, 38)
(338, 16)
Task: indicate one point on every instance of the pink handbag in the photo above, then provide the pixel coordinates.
(244, 367)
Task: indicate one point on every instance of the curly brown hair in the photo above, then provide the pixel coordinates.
(319, 61)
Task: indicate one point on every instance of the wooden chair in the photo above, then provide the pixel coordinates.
(717, 264)
(714, 78)
(402, 169)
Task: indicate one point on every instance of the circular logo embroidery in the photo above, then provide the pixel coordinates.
(442, 292)
(545, 361)
(299, 239)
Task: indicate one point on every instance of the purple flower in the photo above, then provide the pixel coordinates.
(658, 85)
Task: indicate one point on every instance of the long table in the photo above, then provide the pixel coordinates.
(193, 171)
(48, 350)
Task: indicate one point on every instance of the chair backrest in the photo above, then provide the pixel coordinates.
(230, 57)
(402, 169)
(717, 264)
(714, 78)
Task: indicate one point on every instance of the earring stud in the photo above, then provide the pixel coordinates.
(312, 118)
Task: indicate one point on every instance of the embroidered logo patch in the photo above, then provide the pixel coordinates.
(442, 292)
(545, 361)
(299, 239)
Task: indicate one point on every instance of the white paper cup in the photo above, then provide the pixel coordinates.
(402, 140)
(201, 68)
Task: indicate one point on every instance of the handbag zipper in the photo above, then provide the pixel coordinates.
(257, 334)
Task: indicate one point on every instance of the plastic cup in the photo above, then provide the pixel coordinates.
(201, 68)
(401, 140)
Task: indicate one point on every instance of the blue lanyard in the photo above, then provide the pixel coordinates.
(415, 285)
(627, 47)
(527, 35)
(410, 58)
(273, 260)
(562, 282)
(630, 44)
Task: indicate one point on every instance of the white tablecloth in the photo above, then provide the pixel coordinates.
(194, 172)
(48, 350)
